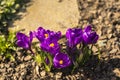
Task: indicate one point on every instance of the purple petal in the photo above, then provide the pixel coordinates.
(61, 57)
(20, 35)
(89, 37)
(43, 34)
(95, 39)
(31, 35)
(74, 37)
(22, 44)
(52, 49)
(40, 28)
(88, 28)
(23, 40)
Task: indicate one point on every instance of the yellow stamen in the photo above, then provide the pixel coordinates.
(46, 35)
(61, 62)
(52, 45)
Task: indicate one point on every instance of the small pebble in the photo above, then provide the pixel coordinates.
(113, 51)
(37, 70)
(22, 65)
(27, 58)
(58, 75)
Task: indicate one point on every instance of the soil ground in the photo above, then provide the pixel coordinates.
(103, 15)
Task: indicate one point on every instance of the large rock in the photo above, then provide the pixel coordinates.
(50, 14)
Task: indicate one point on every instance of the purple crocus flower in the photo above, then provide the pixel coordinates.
(61, 60)
(50, 45)
(89, 36)
(74, 36)
(24, 41)
(43, 34)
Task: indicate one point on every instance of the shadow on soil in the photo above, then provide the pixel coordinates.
(23, 5)
(103, 70)
(96, 69)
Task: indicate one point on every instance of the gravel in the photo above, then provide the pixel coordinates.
(104, 16)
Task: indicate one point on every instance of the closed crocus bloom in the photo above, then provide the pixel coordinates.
(23, 40)
(74, 37)
(55, 35)
(43, 34)
(50, 45)
(89, 36)
(47, 60)
(61, 60)
(31, 36)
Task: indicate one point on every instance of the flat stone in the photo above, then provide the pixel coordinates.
(51, 14)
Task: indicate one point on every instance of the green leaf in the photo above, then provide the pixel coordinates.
(11, 36)
(8, 55)
(47, 68)
(10, 3)
(12, 58)
(45, 55)
(13, 10)
(17, 6)
(6, 45)
(80, 58)
(38, 58)
(84, 57)
(50, 59)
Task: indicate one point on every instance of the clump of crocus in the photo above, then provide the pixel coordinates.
(48, 40)
(51, 52)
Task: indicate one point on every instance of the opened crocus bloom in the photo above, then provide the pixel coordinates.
(43, 34)
(89, 36)
(61, 60)
(50, 45)
(74, 36)
(24, 41)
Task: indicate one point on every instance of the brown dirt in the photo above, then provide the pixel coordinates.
(104, 15)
